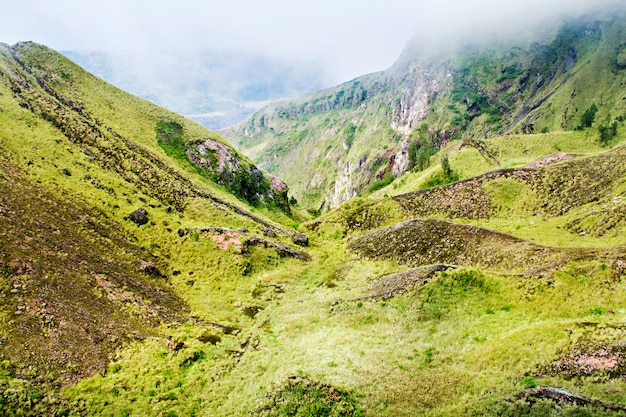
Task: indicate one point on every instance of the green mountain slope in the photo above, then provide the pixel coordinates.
(56, 93)
(98, 188)
(500, 293)
(355, 138)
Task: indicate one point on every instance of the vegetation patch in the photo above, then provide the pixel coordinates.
(304, 397)
(170, 138)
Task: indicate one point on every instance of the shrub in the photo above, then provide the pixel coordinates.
(588, 117)
(445, 176)
(607, 133)
(302, 396)
(381, 183)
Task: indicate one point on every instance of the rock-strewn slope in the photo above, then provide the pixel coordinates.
(74, 286)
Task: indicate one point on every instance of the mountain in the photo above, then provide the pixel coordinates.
(341, 142)
(147, 268)
(215, 88)
(80, 276)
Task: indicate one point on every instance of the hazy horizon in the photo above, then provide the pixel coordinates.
(345, 38)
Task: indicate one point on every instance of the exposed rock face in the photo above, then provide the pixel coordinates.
(139, 216)
(401, 161)
(245, 180)
(422, 83)
(391, 103)
(214, 154)
(344, 189)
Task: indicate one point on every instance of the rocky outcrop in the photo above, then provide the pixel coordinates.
(392, 285)
(139, 216)
(216, 160)
(300, 239)
(240, 240)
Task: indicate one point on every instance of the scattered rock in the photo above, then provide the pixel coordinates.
(174, 345)
(228, 238)
(251, 311)
(190, 282)
(67, 172)
(269, 233)
(181, 232)
(139, 216)
(149, 269)
(209, 337)
(556, 394)
(300, 239)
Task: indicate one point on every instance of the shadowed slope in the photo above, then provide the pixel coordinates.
(74, 286)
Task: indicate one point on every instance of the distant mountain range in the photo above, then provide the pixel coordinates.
(217, 89)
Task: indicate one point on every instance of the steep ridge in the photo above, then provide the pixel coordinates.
(47, 92)
(422, 242)
(101, 210)
(380, 126)
(348, 133)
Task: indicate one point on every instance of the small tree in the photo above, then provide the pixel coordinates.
(448, 173)
(445, 166)
(607, 133)
(412, 155)
(588, 117)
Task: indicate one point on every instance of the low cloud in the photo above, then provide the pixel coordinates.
(347, 38)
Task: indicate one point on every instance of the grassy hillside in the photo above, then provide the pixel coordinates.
(499, 290)
(358, 137)
(81, 278)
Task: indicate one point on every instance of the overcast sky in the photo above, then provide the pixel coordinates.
(348, 37)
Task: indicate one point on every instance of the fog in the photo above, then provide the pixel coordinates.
(346, 38)
(212, 56)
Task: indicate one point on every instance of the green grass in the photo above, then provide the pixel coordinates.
(464, 342)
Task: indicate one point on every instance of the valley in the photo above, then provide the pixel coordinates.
(437, 239)
(215, 88)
